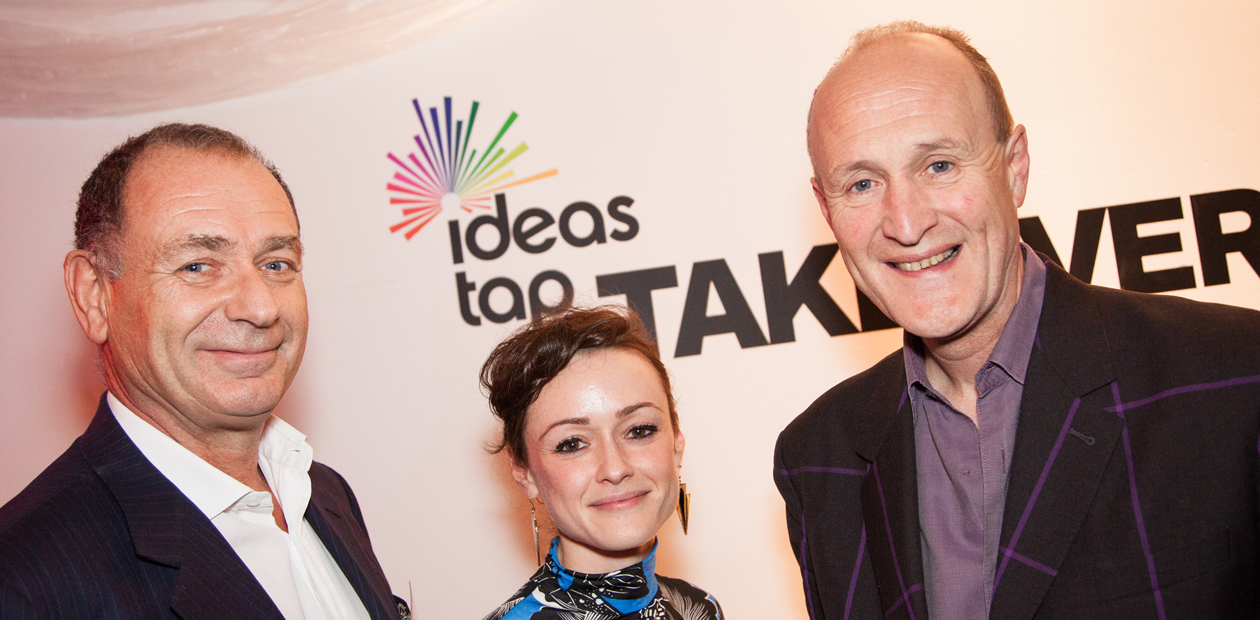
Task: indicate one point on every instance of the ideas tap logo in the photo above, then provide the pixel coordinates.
(446, 174)
(450, 177)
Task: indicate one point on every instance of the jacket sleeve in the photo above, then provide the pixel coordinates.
(16, 606)
(796, 530)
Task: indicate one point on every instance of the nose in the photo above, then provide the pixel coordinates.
(251, 299)
(908, 214)
(613, 464)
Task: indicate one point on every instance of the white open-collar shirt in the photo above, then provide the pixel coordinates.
(294, 568)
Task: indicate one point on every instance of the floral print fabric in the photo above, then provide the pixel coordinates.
(632, 593)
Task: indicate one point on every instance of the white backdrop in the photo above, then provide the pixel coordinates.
(695, 111)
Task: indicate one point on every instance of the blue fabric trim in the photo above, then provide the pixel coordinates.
(649, 573)
(524, 609)
(565, 579)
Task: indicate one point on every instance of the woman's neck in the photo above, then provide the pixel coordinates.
(581, 558)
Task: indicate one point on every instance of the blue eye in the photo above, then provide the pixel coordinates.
(940, 166)
(277, 265)
(195, 268)
(862, 185)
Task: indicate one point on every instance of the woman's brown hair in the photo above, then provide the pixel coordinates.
(520, 367)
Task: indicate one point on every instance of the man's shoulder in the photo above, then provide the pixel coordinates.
(64, 488)
(327, 481)
(1175, 326)
(66, 517)
(833, 415)
(1165, 308)
(330, 491)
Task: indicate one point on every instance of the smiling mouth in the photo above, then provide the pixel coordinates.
(618, 501)
(943, 257)
(242, 353)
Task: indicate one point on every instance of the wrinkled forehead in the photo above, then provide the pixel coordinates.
(171, 182)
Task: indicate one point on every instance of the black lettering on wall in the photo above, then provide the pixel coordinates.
(498, 221)
(1130, 248)
(637, 286)
(517, 311)
(536, 306)
(597, 227)
(1214, 244)
(457, 248)
(872, 318)
(1089, 224)
(464, 289)
(615, 207)
(696, 324)
(1084, 245)
(784, 299)
(1033, 232)
(522, 234)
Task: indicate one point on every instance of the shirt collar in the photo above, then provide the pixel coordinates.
(1014, 346)
(208, 488)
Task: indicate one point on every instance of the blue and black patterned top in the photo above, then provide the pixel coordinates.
(632, 593)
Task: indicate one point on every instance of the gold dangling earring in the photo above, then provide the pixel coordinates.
(533, 521)
(684, 503)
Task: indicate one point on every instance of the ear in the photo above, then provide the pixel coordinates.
(1017, 162)
(680, 442)
(88, 289)
(822, 200)
(524, 479)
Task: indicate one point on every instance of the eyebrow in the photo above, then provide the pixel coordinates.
(625, 411)
(213, 243)
(288, 242)
(218, 243)
(944, 144)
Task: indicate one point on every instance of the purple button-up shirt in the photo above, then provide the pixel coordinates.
(962, 466)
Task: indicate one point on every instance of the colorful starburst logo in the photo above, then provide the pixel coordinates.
(446, 175)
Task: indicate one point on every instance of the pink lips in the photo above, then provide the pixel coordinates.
(620, 501)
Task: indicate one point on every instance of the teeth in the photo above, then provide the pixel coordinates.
(929, 261)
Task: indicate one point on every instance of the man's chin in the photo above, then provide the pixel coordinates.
(240, 400)
(930, 326)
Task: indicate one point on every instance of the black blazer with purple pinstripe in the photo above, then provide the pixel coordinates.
(102, 534)
(1133, 489)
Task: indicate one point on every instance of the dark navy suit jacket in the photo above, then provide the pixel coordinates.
(102, 534)
(1132, 489)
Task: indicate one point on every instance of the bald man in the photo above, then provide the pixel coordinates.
(1039, 447)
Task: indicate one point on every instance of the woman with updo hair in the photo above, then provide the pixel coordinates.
(590, 427)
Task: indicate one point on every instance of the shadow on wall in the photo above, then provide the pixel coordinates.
(514, 515)
(295, 406)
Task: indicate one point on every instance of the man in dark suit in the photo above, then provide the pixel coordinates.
(1039, 448)
(185, 497)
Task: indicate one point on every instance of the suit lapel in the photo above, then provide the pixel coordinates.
(1064, 442)
(347, 543)
(210, 580)
(890, 501)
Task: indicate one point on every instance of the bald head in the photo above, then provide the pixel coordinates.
(913, 36)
